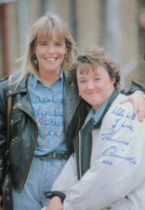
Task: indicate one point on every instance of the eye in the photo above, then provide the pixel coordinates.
(59, 44)
(43, 43)
(97, 78)
(82, 81)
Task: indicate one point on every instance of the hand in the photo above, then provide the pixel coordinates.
(55, 204)
(138, 102)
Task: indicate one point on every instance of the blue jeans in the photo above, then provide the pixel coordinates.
(40, 179)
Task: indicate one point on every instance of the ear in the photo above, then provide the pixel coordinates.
(65, 55)
(113, 81)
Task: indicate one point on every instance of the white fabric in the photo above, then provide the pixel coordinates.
(44, 208)
(116, 178)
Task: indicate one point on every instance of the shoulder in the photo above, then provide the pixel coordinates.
(4, 78)
(3, 84)
(13, 77)
(118, 103)
(119, 110)
(10, 82)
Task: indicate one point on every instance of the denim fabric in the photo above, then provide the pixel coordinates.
(47, 102)
(40, 179)
(96, 114)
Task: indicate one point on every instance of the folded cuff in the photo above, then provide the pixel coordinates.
(51, 194)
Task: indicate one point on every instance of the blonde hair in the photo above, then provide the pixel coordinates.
(44, 28)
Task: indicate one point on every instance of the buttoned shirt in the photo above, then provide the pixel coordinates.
(47, 102)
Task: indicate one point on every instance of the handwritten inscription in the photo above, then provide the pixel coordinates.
(116, 121)
(44, 100)
(120, 112)
(48, 112)
(119, 144)
(113, 152)
(127, 126)
(41, 112)
(108, 136)
(107, 162)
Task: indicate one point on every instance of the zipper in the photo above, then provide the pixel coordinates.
(72, 116)
(80, 151)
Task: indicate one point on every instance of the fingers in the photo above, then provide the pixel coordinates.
(139, 110)
(125, 100)
(138, 102)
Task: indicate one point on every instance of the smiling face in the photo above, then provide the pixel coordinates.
(50, 54)
(94, 84)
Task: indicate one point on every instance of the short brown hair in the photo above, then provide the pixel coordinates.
(97, 57)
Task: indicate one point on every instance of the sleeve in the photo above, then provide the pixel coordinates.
(3, 129)
(68, 176)
(134, 87)
(119, 157)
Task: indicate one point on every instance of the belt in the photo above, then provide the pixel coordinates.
(55, 155)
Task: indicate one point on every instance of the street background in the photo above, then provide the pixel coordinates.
(116, 25)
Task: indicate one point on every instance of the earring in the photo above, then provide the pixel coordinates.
(33, 56)
(34, 59)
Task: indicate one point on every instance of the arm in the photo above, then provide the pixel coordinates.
(65, 180)
(119, 157)
(68, 176)
(3, 129)
(137, 97)
(133, 88)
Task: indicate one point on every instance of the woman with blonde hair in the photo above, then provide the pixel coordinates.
(43, 102)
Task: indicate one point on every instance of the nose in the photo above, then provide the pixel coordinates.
(50, 48)
(90, 85)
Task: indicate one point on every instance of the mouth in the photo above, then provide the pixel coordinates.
(51, 59)
(91, 92)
